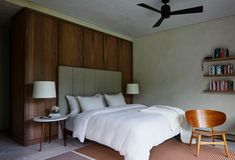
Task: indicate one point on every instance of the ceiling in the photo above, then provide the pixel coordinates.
(125, 17)
(7, 10)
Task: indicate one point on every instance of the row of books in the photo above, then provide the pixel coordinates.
(221, 53)
(221, 85)
(220, 69)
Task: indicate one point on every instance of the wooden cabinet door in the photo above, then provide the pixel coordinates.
(93, 49)
(125, 65)
(70, 44)
(41, 64)
(111, 57)
(17, 88)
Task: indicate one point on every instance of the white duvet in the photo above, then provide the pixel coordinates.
(128, 129)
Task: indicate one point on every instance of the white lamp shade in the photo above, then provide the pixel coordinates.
(132, 88)
(44, 89)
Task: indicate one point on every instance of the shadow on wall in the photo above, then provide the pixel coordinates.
(4, 77)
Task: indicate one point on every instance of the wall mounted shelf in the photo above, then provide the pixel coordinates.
(219, 75)
(219, 92)
(219, 59)
(228, 76)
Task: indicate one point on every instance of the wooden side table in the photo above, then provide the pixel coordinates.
(60, 120)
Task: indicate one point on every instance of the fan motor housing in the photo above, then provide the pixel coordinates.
(166, 10)
(165, 1)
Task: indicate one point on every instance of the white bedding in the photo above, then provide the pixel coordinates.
(126, 129)
(69, 123)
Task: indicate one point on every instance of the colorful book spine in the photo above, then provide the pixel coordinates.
(220, 69)
(221, 86)
(221, 53)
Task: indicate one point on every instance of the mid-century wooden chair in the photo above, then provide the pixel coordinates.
(206, 119)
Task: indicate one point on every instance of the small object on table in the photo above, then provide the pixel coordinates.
(55, 112)
(45, 119)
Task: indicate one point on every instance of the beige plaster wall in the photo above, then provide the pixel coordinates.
(167, 65)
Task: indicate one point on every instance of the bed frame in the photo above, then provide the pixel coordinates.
(84, 82)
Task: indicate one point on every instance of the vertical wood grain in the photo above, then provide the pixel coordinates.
(92, 49)
(18, 36)
(111, 57)
(40, 43)
(70, 44)
(125, 66)
(41, 64)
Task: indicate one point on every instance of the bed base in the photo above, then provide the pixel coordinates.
(66, 133)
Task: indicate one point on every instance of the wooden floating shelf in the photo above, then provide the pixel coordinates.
(219, 75)
(221, 92)
(219, 59)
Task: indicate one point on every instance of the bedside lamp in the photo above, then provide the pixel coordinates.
(44, 90)
(132, 88)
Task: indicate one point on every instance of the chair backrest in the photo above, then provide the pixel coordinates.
(205, 118)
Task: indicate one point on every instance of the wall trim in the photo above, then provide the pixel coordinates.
(34, 6)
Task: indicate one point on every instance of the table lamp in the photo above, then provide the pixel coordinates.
(44, 90)
(132, 88)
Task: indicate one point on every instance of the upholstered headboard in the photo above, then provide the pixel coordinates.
(85, 82)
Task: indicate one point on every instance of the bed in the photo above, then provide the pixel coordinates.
(130, 129)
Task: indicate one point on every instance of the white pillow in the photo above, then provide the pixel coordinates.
(115, 99)
(103, 99)
(90, 103)
(73, 104)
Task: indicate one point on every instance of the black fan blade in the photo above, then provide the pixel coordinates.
(188, 11)
(159, 22)
(149, 7)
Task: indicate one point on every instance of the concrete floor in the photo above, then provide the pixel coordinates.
(10, 150)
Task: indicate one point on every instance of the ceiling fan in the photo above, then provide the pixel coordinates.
(166, 11)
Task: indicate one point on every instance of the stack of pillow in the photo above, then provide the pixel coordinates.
(80, 104)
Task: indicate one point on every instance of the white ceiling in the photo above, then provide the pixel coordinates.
(7, 10)
(125, 17)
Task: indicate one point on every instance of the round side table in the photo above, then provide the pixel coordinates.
(60, 120)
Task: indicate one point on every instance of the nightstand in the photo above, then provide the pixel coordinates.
(60, 120)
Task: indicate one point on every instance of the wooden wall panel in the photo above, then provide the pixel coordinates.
(40, 43)
(18, 36)
(41, 64)
(125, 66)
(111, 54)
(70, 44)
(92, 49)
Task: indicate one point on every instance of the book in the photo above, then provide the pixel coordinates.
(54, 115)
(222, 53)
(217, 85)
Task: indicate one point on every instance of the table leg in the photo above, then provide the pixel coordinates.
(62, 125)
(49, 132)
(42, 135)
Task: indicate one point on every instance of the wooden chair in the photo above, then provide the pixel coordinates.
(206, 119)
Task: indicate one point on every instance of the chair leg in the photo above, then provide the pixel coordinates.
(191, 138)
(225, 145)
(213, 137)
(198, 144)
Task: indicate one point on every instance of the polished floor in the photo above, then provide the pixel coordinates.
(10, 150)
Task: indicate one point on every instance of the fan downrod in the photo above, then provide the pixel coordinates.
(165, 1)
